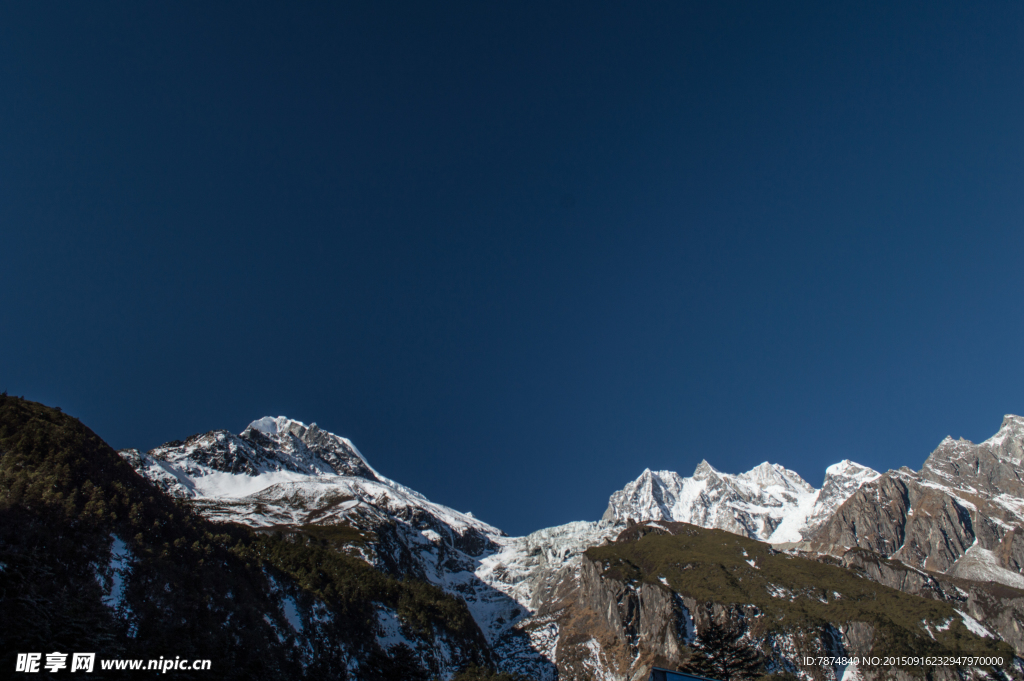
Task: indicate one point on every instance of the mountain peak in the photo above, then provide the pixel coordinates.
(274, 425)
(839, 467)
(1012, 427)
(848, 468)
(270, 450)
(766, 475)
(704, 470)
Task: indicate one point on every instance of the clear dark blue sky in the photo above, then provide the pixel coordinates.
(518, 253)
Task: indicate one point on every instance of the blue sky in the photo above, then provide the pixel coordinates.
(520, 252)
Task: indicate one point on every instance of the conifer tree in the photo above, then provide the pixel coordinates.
(721, 654)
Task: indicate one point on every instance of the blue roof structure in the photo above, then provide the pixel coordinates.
(659, 674)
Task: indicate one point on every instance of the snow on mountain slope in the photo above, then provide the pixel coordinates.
(529, 568)
(220, 464)
(538, 572)
(768, 502)
(281, 473)
(412, 536)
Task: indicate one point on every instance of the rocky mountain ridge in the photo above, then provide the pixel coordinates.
(991, 468)
(959, 515)
(279, 473)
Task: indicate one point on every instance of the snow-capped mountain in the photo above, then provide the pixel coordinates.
(768, 502)
(525, 592)
(220, 464)
(279, 472)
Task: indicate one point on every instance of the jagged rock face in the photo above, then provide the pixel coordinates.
(988, 469)
(1001, 609)
(873, 518)
(896, 575)
(622, 617)
(633, 613)
(768, 503)
(939, 530)
(900, 516)
(961, 515)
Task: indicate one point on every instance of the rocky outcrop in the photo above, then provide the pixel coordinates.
(989, 469)
(633, 626)
(898, 516)
(896, 575)
(842, 480)
(962, 514)
(873, 518)
(643, 612)
(998, 606)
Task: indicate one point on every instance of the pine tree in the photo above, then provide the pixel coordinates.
(719, 653)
